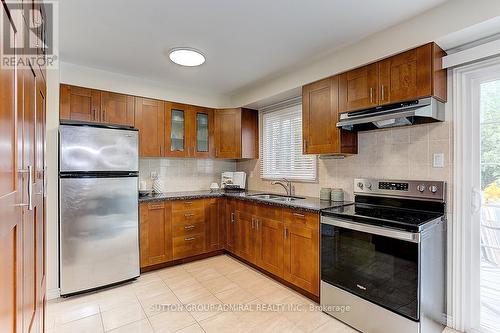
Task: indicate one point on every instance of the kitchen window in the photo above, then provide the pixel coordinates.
(281, 146)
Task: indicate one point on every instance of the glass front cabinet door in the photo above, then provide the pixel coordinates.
(202, 127)
(176, 130)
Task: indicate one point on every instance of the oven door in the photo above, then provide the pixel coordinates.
(377, 264)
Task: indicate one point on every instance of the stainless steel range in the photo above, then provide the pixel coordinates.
(385, 257)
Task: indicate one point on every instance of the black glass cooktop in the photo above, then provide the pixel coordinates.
(397, 213)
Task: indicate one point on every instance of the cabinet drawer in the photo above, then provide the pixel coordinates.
(183, 205)
(188, 216)
(302, 218)
(187, 246)
(187, 229)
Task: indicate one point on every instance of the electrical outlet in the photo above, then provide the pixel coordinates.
(438, 160)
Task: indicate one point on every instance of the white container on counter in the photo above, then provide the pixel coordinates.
(337, 194)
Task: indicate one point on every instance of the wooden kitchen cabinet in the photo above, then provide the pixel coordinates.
(269, 240)
(117, 109)
(155, 233)
(91, 105)
(214, 228)
(177, 128)
(301, 250)
(149, 120)
(201, 126)
(358, 88)
(319, 120)
(244, 232)
(230, 220)
(236, 133)
(410, 75)
(189, 223)
(78, 103)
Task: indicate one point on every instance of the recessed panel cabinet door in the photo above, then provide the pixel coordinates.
(117, 109)
(228, 133)
(77, 103)
(212, 225)
(155, 233)
(320, 117)
(149, 120)
(230, 220)
(245, 234)
(301, 250)
(270, 238)
(358, 89)
(202, 131)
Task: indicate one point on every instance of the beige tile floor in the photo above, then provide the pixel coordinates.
(194, 296)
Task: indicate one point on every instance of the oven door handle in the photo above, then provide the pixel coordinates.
(413, 237)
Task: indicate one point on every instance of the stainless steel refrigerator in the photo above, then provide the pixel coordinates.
(98, 206)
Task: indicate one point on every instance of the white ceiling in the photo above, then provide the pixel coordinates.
(244, 41)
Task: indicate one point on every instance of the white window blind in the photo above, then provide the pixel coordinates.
(281, 146)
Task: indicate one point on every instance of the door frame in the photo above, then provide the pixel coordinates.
(463, 290)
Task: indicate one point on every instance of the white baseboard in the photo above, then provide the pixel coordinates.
(53, 293)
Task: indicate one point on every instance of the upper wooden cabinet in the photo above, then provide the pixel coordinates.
(117, 109)
(177, 140)
(91, 105)
(236, 133)
(319, 120)
(410, 75)
(77, 103)
(358, 88)
(201, 134)
(149, 120)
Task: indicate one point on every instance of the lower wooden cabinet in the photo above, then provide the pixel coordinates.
(301, 250)
(280, 241)
(155, 233)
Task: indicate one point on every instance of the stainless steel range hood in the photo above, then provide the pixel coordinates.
(420, 111)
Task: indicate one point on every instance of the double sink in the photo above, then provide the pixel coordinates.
(275, 197)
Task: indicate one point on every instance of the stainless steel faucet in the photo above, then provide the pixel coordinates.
(287, 185)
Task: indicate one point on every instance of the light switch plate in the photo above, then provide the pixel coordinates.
(438, 160)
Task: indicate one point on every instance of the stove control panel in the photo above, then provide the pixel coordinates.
(401, 188)
(393, 186)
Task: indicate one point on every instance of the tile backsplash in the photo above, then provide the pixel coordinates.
(184, 174)
(398, 153)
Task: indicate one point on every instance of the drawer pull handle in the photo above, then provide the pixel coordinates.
(189, 214)
(155, 207)
(299, 215)
(189, 227)
(188, 203)
(286, 233)
(189, 239)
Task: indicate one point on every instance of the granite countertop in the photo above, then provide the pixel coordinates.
(308, 203)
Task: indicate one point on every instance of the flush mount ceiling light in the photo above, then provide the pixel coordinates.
(186, 56)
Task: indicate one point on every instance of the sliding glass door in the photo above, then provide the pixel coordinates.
(476, 242)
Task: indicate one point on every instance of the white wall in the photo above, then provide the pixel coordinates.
(126, 84)
(433, 25)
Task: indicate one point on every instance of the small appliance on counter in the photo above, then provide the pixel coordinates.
(233, 180)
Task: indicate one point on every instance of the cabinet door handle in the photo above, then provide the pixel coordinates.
(253, 223)
(189, 214)
(305, 145)
(382, 93)
(189, 239)
(216, 152)
(371, 95)
(257, 222)
(285, 231)
(28, 170)
(93, 114)
(299, 215)
(104, 115)
(189, 227)
(232, 217)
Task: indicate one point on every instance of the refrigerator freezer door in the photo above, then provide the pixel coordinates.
(99, 232)
(87, 148)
